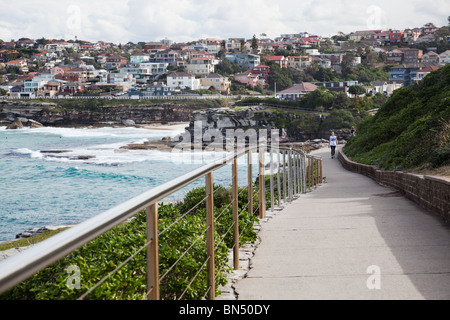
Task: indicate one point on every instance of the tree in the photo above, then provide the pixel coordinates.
(254, 44)
(356, 90)
(347, 62)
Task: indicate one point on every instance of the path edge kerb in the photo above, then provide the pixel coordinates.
(429, 192)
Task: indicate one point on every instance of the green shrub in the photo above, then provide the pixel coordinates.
(410, 130)
(102, 255)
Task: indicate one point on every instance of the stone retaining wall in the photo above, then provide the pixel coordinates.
(430, 192)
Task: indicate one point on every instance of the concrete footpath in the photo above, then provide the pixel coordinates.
(350, 239)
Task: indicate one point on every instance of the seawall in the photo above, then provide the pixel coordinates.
(430, 192)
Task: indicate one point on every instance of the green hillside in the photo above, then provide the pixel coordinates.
(411, 130)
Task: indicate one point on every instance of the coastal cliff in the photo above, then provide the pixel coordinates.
(52, 114)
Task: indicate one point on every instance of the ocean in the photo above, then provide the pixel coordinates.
(89, 175)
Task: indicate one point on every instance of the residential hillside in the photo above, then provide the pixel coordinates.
(411, 130)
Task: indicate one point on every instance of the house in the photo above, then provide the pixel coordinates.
(200, 66)
(51, 89)
(115, 61)
(279, 60)
(444, 57)
(234, 44)
(322, 62)
(411, 35)
(19, 63)
(299, 62)
(156, 69)
(183, 80)
(125, 80)
(411, 55)
(72, 88)
(159, 89)
(429, 30)
(141, 74)
(168, 56)
(383, 87)
(138, 58)
(418, 75)
(341, 86)
(364, 34)
(395, 36)
(394, 57)
(426, 38)
(179, 46)
(43, 56)
(382, 37)
(83, 74)
(262, 71)
(69, 77)
(431, 57)
(218, 82)
(201, 54)
(403, 73)
(37, 82)
(213, 46)
(245, 60)
(59, 70)
(248, 47)
(249, 79)
(296, 92)
(155, 47)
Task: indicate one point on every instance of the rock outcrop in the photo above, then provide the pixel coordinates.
(51, 114)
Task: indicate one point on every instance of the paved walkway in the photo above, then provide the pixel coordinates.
(350, 239)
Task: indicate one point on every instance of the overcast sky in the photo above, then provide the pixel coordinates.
(188, 20)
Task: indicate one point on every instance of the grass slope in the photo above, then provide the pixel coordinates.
(411, 130)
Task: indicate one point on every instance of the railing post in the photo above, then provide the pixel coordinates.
(279, 178)
(284, 176)
(298, 173)
(321, 171)
(310, 178)
(317, 172)
(304, 173)
(235, 214)
(210, 235)
(290, 175)
(272, 195)
(152, 252)
(262, 191)
(294, 175)
(299, 161)
(250, 182)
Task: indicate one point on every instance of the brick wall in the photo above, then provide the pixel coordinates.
(430, 192)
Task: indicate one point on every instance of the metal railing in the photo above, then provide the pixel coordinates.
(295, 173)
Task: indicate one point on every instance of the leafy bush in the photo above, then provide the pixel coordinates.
(102, 255)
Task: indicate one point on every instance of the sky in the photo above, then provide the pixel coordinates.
(121, 21)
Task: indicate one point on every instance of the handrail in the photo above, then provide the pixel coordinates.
(24, 264)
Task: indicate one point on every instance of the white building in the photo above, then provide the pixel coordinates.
(200, 66)
(124, 79)
(183, 80)
(37, 83)
(139, 58)
(444, 57)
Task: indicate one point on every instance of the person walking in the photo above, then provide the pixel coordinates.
(333, 142)
(353, 132)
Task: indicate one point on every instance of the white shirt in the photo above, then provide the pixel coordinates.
(333, 141)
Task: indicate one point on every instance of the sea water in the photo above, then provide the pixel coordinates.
(89, 174)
